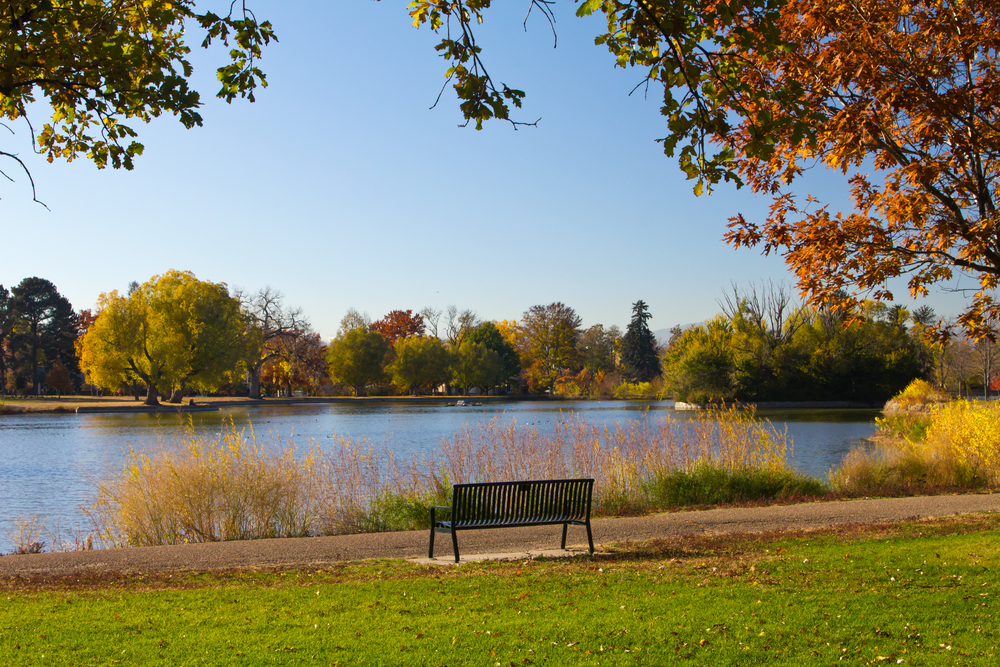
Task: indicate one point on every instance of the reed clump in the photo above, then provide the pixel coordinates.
(232, 488)
(238, 488)
(726, 455)
(955, 446)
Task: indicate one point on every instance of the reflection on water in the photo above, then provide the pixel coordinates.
(50, 464)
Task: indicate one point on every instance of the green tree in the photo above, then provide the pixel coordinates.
(598, 348)
(869, 357)
(102, 63)
(488, 335)
(698, 363)
(358, 358)
(172, 331)
(639, 360)
(475, 365)
(419, 362)
(44, 327)
(764, 320)
(549, 336)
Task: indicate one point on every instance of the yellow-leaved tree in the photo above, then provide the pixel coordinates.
(172, 332)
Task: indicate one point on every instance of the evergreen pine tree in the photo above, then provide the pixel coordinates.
(638, 352)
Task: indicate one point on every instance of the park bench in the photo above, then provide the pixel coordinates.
(515, 504)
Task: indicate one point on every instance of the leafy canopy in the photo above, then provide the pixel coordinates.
(102, 63)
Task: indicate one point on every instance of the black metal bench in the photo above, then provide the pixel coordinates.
(514, 504)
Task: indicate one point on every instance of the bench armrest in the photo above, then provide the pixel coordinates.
(434, 512)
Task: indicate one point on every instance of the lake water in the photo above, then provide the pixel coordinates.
(50, 463)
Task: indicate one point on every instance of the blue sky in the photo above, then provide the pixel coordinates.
(341, 188)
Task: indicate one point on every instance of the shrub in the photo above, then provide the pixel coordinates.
(919, 392)
(640, 390)
(26, 535)
(956, 445)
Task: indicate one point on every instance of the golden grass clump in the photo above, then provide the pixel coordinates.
(970, 431)
(233, 488)
(624, 461)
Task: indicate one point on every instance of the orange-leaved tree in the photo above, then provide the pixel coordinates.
(903, 100)
(899, 95)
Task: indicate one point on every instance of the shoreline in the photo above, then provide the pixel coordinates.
(124, 405)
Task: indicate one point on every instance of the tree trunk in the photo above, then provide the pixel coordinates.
(177, 394)
(253, 378)
(151, 394)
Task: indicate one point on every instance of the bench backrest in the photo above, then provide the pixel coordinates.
(539, 501)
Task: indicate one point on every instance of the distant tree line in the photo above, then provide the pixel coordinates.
(546, 351)
(176, 335)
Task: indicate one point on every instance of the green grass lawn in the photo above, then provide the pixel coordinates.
(921, 593)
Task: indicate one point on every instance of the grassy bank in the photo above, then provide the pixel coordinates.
(918, 593)
(242, 488)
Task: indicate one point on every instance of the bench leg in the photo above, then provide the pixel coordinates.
(565, 528)
(430, 550)
(454, 542)
(590, 539)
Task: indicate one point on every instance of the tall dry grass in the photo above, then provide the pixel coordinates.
(627, 462)
(238, 488)
(233, 488)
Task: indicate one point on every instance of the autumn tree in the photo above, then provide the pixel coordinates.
(59, 379)
(398, 324)
(171, 332)
(100, 65)
(549, 340)
(272, 331)
(640, 362)
(901, 98)
(419, 362)
(358, 358)
(302, 362)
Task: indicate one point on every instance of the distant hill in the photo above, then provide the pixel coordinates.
(663, 335)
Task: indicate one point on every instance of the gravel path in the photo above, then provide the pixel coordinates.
(323, 551)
